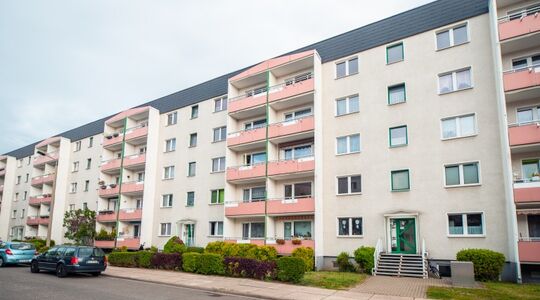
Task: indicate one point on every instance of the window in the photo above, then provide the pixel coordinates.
(220, 134)
(528, 115)
(172, 118)
(73, 187)
(88, 163)
(254, 194)
(216, 228)
(16, 197)
(530, 168)
(22, 213)
(140, 176)
(190, 199)
(71, 207)
(526, 62)
(168, 172)
(218, 164)
(254, 124)
(298, 114)
(350, 226)
(28, 160)
(14, 214)
(75, 166)
(192, 169)
(397, 94)
(86, 185)
(461, 126)
(347, 105)
(534, 225)
(77, 146)
(170, 145)
(394, 53)
(18, 180)
(298, 190)
(346, 68)
(462, 174)
(297, 152)
(348, 144)
(252, 230)
(165, 229)
(217, 196)
(452, 37)
(142, 150)
(455, 81)
(19, 163)
(256, 91)
(90, 142)
(167, 200)
(468, 224)
(27, 177)
(193, 140)
(301, 229)
(25, 195)
(220, 104)
(194, 111)
(347, 185)
(400, 180)
(251, 159)
(398, 136)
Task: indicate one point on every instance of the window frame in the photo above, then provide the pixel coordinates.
(347, 105)
(194, 113)
(172, 143)
(349, 144)
(222, 134)
(214, 225)
(217, 191)
(458, 126)
(392, 172)
(168, 229)
(454, 80)
(350, 219)
(192, 163)
(451, 29)
(402, 52)
(250, 189)
(172, 118)
(349, 187)
(192, 200)
(222, 165)
(406, 136)
(170, 175)
(166, 199)
(462, 174)
(91, 142)
(347, 67)
(222, 106)
(396, 86)
(465, 225)
(190, 144)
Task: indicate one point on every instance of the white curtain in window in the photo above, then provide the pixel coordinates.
(445, 83)
(463, 79)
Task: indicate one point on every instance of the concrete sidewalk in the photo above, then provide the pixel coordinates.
(243, 286)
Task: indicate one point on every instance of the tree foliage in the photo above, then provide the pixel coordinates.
(80, 226)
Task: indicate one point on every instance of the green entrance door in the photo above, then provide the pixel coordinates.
(403, 235)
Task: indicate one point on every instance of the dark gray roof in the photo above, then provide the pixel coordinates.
(424, 18)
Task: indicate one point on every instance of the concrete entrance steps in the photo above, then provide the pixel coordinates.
(401, 265)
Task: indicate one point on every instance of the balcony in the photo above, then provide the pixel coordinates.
(524, 135)
(275, 207)
(130, 242)
(527, 192)
(43, 179)
(522, 83)
(529, 250)
(38, 200)
(246, 173)
(125, 215)
(133, 188)
(44, 220)
(45, 159)
(106, 216)
(32, 221)
(291, 168)
(241, 138)
(134, 134)
(113, 165)
(109, 191)
(296, 129)
(520, 24)
(286, 248)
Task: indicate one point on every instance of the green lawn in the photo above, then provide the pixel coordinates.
(492, 291)
(332, 280)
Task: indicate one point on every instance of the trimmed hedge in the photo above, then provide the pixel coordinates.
(488, 264)
(307, 255)
(343, 262)
(264, 253)
(144, 259)
(226, 249)
(195, 249)
(364, 258)
(290, 269)
(123, 259)
(249, 268)
(209, 264)
(167, 261)
(174, 245)
(191, 262)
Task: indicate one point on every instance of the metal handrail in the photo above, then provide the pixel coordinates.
(241, 166)
(529, 239)
(49, 155)
(518, 124)
(378, 251)
(525, 180)
(118, 158)
(271, 124)
(521, 14)
(291, 159)
(41, 176)
(269, 199)
(128, 130)
(521, 69)
(273, 88)
(424, 257)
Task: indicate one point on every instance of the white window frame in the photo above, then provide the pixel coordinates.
(458, 126)
(172, 118)
(295, 111)
(293, 148)
(450, 29)
(73, 187)
(88, 163)
(465, 224)
(167, 200)
(194, 108)
(350, 235)
(168, 229)
(25, 195)
(293, 189)
(222, 104)
(90, 142)
(221, 164)
(535, 109)
(75, 167)
(349, 144)
(187, 198)
(86, 185)
(461, 174)
(454, 80)
(194, 163)
(348, 185)
(347, 105)
(170, 145)
(77, 146)
(250, 189)
(250, 231)
(168, 172)
(222, 134)
(194, 134)
(347, 67)
(14, 214)
(215, 226)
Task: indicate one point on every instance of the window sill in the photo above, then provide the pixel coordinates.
(452, 46)
(459, 137)
(164, 179)
(165, 207)
(190, 176)
(398, 146)
(349, 194)
(348, 75)
(215, 142)
(466, 235)
(462, 185)
(349, 153)
(189, 205)
(401, 191)
(169, 151)
(215, 236)
(192, 146)
(218, 111)
(347, 114)
(193, 118)
(455, 91)
(164, 235)
(395, 62)
(217, 172)
(397, 103)
(215, 204)
(350, 236)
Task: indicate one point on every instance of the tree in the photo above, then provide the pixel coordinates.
(80, 226)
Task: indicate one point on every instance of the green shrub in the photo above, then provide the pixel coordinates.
(488, 264)
(262, 253)
(123, 259)
(242, 250)
(174, 245)
(39, 244)
(214, 247)
(343, 262)
(153, 249)
(290, 269)
(191, 262)
(144, 259)
(195, 249)
(209, 264)
(226, 249)
(307, 255)
(364, 258)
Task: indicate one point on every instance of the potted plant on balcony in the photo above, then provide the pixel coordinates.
(535, 177)
(296, 241)
(280, 241)
(112, 185)
(116, 134)
(103, 187)
(101, 182)
(109, 136)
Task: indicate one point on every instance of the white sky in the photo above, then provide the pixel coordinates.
(66, 63)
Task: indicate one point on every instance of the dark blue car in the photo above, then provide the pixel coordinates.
(66, 259)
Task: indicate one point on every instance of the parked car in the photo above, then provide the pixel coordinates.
(66, 259)
(16, 253)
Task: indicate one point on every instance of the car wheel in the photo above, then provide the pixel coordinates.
(61, 271)
(1, 261)
(34, 268)
(96, 274)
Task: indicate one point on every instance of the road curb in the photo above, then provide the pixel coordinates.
(202, 288)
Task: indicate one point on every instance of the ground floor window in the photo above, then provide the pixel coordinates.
(165, 229)
(350, 226)
(467, 224)
(534, 226)
(216, 228)
(252, 230)
(300, 229)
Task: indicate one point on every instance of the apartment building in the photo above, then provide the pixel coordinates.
(417, 135)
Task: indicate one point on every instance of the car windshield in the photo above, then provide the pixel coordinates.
(86, 252)
(23, 246)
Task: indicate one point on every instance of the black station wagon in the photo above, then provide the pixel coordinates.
(66, 259)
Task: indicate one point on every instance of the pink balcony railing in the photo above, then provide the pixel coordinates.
(133, 187)
(245, 172)
(529, 251)
(274, 207)
(44, 220)
(131, 133)
(130, 243)
(521, 135)
(521, 78)
(38, 200)
(244, 208)
(282, 167)
(131, 160)
(526, 192)
(275, 93)
(246, 136)
(520, 26)
(42, 159)
(109, 191)
(106, 216)
(39, 180)
(291, 127)
(32, 221)
(130, 214)
(287, 248)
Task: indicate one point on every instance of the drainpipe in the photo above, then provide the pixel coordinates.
(266, 159)
(117, 205)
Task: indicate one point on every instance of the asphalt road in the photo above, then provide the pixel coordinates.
(18, 283)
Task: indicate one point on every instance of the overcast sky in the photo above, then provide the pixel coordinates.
(67, 63)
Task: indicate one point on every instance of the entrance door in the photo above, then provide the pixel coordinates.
(403, 235)
(189, 234)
